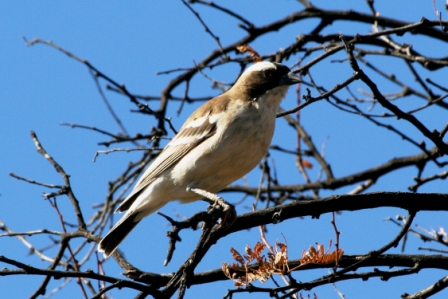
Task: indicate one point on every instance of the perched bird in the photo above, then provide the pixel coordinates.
(219, 143)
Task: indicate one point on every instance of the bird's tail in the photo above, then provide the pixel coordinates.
(117, 234)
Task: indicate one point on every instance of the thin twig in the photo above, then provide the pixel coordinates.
(206, 28)
(66, 177)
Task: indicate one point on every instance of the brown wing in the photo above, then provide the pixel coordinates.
(198, 127)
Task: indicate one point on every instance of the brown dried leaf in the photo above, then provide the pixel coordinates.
(277, 262)
(244, 273)
(252, 53)
(254, 254)
(250, 255)
(263, 273)
(226, 269)
(258, 248)
(237, 256)
(307, 164)
(319, 256)
(278, 258)
(281, 258)
(283, 247)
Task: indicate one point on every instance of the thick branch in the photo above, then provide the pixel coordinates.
(372, 173)
(315, 208)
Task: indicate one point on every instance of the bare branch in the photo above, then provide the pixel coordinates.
(429, 291)
(66, 177)
(206, 27)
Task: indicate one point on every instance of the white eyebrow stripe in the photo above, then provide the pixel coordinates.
(259, 66)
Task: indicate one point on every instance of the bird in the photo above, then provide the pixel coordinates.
(220, 142)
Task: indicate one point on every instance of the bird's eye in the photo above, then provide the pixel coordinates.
(269, 73)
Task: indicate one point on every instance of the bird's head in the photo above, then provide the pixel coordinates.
(264, 77)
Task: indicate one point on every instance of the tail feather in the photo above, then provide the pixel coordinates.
(117, 234)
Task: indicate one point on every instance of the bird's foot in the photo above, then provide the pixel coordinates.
(229, 213)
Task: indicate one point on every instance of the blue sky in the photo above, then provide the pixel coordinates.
(130, 42)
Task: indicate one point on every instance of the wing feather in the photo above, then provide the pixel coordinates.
(187, 139)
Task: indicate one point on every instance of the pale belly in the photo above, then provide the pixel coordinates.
(240, 149)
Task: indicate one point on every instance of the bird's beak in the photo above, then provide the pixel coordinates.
(290, 79)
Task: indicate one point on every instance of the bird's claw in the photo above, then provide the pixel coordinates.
(229, 215)
(217, 203)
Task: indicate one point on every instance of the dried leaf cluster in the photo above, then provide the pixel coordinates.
(242, 273)
(252, 53)
(262, 268)
(319, 256)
